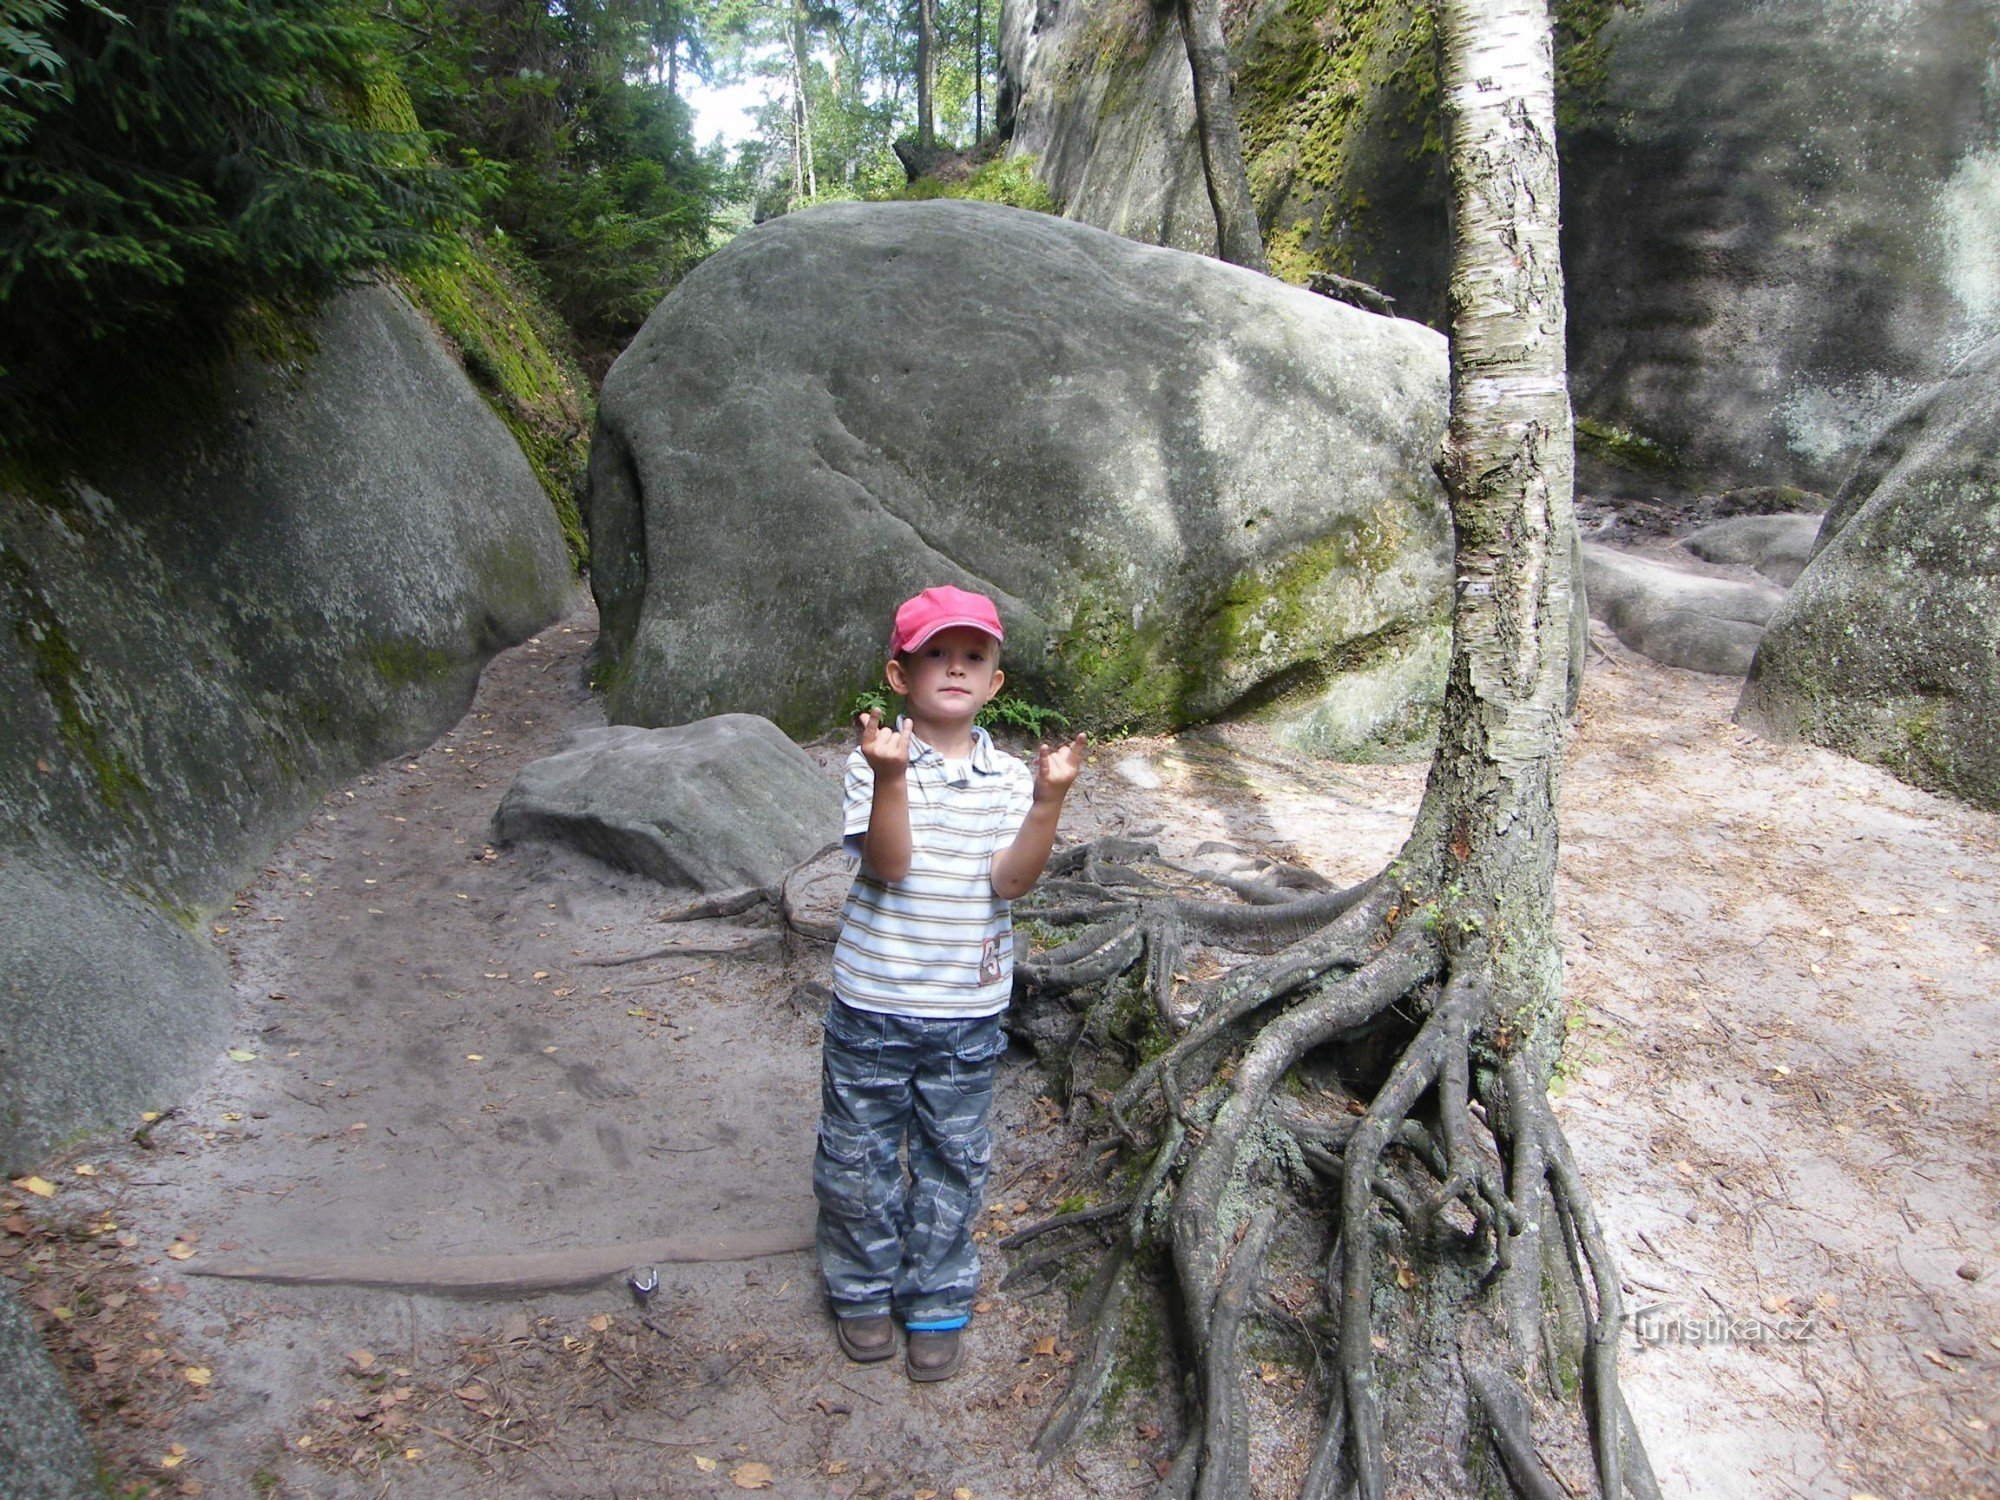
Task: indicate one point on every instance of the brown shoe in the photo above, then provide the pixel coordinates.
(933, 1354)
(866, 1340)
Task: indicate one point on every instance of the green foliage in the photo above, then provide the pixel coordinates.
(1004, 712)
(575, 107)
(1009, 180)
(846, 91)
(1008, 712)
(195, 158)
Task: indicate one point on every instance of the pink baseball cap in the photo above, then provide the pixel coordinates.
(940, 608)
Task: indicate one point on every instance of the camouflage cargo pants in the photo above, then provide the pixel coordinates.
(892, 1236)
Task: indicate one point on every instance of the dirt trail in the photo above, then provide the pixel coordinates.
(1783, 1090)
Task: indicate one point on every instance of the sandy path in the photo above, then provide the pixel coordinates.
(1783, 1090)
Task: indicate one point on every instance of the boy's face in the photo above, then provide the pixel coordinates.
(949, 678)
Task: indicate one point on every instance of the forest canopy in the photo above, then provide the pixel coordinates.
(174, 171)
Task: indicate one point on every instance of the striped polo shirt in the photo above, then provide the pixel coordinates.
(938, 943)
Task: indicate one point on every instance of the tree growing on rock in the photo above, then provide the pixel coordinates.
(1238, 240)
(1362, 1106)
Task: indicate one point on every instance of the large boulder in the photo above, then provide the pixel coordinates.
(43, 1450)
(205, 630)
(717, 805)
(1780, 215)
(1193, 490)
(1888, 646)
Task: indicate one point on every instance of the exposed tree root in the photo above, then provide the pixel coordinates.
(1453, 1155)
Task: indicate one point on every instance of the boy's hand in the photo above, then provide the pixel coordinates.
(1056, 770)
(886, 750)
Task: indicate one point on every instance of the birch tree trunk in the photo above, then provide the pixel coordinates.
(1237, 237)
(1473, 1301)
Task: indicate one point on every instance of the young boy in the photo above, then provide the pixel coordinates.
(949, 831)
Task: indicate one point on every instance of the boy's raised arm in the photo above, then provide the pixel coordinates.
(1017, 867)
(885, 848)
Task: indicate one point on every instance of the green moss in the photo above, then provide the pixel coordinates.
(1009, 179)
(1135, 1367)
(1116, 39)
(1119, 667)
(1617, 445)
(1317, 76)
(488, 302)
(401, 662)
(1919, 753)
(1118, 672)
(1309, 79)
(65, 679)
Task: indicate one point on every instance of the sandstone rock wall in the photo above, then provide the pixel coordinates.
(202, 632)
(1783, 216)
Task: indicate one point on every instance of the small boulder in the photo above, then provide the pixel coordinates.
(1675, 617)
(712, 806)
(1776, 546)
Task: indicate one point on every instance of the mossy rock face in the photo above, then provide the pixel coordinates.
(206, 630)
(1779, 215)
(485, 300)
(1888, 646)
(1194, 491)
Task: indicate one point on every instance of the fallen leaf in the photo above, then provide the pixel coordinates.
(1046, 1346)
(755, 1477)
(174, 1457)
(413, 1454)
(237, 1054)
(599, 1323)
(63, 1313)
(198, 1376)
(961, 1493)
(180, 1250)
(924, 1495)
(84, 1169)
(361, 1359)
(475, 1057)
(41, 1187)
(151, 1116)
(838, 1466)
(472, 1394)
(706, 1465)
(541, 973)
